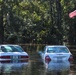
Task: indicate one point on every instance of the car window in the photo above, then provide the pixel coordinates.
(0, 50)
(50, 50)
(63, 50)
(3, 49)
(57, 50)
(11, 49)
(18, 48)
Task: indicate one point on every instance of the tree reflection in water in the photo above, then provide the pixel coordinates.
(57, 68)
(13, 68)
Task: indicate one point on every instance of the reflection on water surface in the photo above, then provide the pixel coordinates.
(57, 68)
(12, 68)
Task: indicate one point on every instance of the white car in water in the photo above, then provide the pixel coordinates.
(57, 53)
(12, 53)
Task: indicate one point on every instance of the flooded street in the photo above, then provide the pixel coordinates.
(35, 66)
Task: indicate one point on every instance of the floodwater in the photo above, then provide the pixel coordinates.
(35, 66)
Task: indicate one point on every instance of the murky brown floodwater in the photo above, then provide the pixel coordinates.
(35, 66)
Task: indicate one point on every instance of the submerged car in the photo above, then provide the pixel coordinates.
(57, 53)
(12, 53)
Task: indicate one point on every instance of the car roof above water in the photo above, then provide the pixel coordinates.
(55, 46)
(8, 45)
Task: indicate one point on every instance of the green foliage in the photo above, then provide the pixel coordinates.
(38, 21)
(68, 23)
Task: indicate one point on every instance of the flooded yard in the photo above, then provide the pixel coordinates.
(35, 66)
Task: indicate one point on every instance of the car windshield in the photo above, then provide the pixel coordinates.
(57, 50)
(11, 49)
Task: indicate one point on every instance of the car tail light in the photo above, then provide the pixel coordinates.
(70, 58)
(47, 59)
(5, 57)
(24, 56)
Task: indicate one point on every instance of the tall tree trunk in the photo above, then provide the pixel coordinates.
(55, 11)
(1, 25)
(59, 18)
